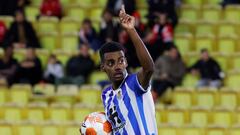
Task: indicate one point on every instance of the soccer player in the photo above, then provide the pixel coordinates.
(128, 101)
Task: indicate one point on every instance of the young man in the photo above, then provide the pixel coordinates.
(128, 101)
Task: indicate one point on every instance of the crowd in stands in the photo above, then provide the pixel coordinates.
(157, 33)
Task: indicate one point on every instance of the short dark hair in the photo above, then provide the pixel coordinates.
(110, 47)
(204, 50)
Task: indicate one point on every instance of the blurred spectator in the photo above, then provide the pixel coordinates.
(51, 8)
(3, 30)
(161, 36)
(109, 28)
(21, 33)
(115, 5)
(168, 6)
(30, 69)
(209, 71)
(229, 2)
(54, 70)
(8, 7)
(79, 67)
(8, 66)
(88, 35)
(169, 72)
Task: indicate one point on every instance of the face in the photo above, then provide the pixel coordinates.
(84, 50)
(162, 18)
(9, 52)
(115, 64)
(173, 53)
(30, 53)
(205, 56)
(107, 16)
(19, 17)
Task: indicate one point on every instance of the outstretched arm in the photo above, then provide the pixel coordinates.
(144, 75)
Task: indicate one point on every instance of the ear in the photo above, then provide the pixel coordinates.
(102, 68)
(126, 62)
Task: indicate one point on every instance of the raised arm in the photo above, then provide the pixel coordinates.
(144, 75)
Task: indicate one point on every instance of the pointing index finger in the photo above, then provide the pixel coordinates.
(123, 9)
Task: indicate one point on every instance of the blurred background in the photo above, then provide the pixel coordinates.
(49, 64)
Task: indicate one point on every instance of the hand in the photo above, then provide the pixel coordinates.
(126, 20)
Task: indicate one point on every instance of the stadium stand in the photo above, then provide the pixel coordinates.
(44, 109)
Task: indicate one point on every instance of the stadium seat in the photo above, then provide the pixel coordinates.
(59, 112)
(226, 29)
(20, 94)
(190, 12)
(198, 117)
(102, 3)
(182, 99)
(205, 98)
(36, 112)
(19, 54)
(63, 55)
(96, 14)
(223, 60)
(227, 44)
(215, 131)
(72, 129)
(66, 94)
(66, 2)
(190, 81)
(24, 129)
(234, 131)
(167, 130)
(12, 113)
(211, 2)
(6, 129)
(69, 25)
(69, 42)
(212, 13)
(48, 24)
(235, 61)
(86, 3)
(191, 131)
(228, 99)
(97, 76)
(43, 55)
(232, 13)
(205, 27)
(32, 12)
(183, 42)
(3, 95)
(232, 80)
(76, 12)
(43, 88)
(160, 115)
(7, 20)
(185, 27)
(87, 91)
(194, 2)
(80, 112)
(176, 116)
(222, 118)
(50, 129)
(49, 41)
(205, 41)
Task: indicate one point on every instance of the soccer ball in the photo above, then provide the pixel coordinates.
(96, 124)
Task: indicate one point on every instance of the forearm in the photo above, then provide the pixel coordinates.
(142, 53)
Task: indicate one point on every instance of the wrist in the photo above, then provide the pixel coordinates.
(131, 29)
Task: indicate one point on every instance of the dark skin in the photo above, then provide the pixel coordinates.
(115, 64)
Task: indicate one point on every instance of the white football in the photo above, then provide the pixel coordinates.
(96, 124)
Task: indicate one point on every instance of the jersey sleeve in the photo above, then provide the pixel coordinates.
(136, 86)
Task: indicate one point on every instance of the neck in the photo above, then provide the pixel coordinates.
(116, 84)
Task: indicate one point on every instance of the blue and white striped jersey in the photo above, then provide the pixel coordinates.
(130, 108)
